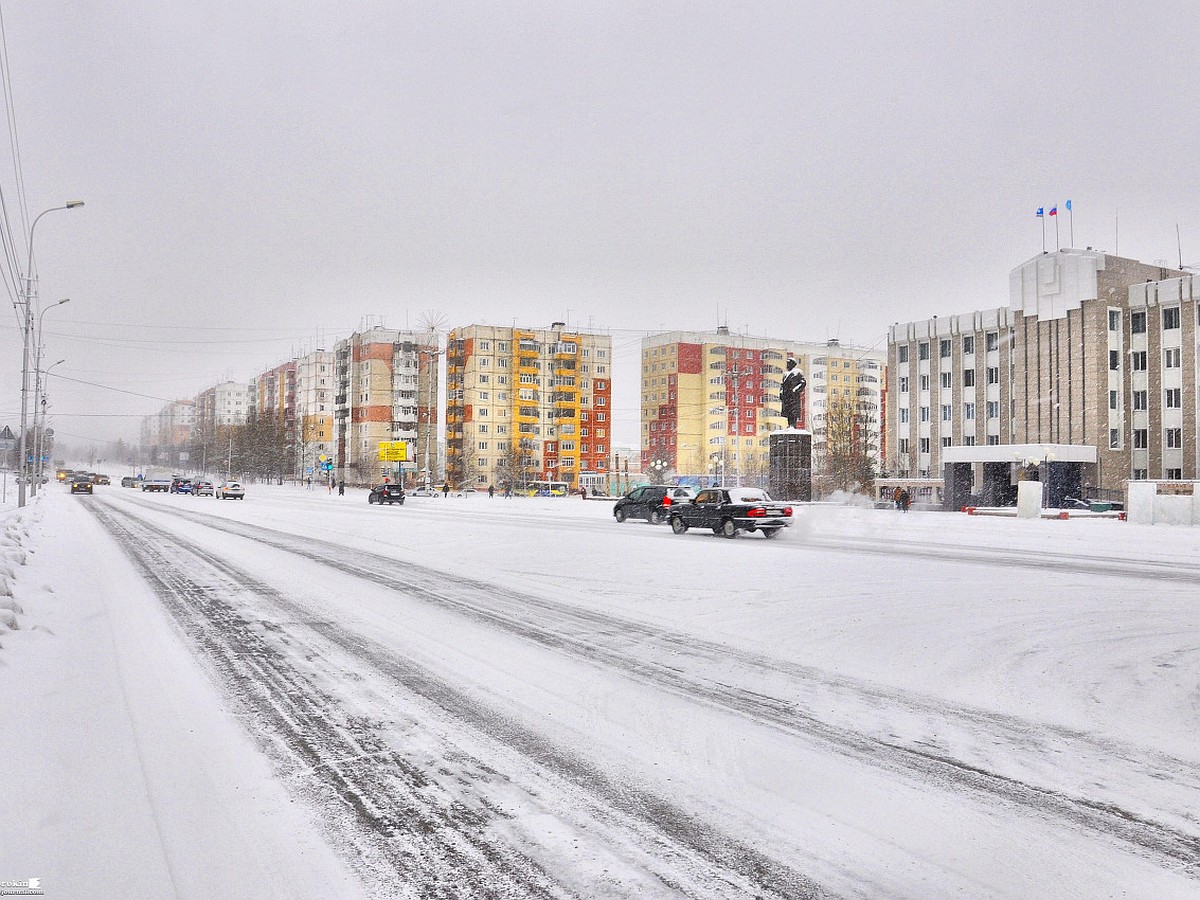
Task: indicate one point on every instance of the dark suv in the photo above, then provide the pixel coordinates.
(386, 493)
(651, 502)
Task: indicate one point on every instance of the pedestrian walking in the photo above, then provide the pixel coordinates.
(905, 500)
(896, 496)
(491, 491)
(342, 488)
(445, 489)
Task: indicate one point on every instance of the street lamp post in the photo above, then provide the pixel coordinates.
(27, 330)
(38, 401)
(39, 426)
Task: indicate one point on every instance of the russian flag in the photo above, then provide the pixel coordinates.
(1054, 210)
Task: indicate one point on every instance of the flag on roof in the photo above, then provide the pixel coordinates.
(1068, 206)
(1040, 211)
(1054, 210)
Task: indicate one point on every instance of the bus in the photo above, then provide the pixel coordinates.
(547, 489)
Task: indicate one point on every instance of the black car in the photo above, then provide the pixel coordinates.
(81, 484)
(652, 502)
(730, 510)
(386, 493)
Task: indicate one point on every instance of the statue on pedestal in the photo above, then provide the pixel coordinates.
(791, 393)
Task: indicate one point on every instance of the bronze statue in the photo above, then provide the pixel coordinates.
(791, 393)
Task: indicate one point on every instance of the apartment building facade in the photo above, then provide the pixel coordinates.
(315, 390)
(527, 404)
(386, 390)
(709, 401)
(1093, 351)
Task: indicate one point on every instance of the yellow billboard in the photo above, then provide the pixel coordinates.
(393, 451)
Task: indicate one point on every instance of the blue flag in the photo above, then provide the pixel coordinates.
(1041, 212)
(1068, 206)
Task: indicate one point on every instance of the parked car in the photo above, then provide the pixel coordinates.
(463, 492)
(730, 510)
(181, 485)
(202, 489)
(386, 493)
(427, 492)
(81, 484)
(652, 502)
(230, 490)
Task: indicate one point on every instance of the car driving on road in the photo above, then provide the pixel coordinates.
(202, 489)
(730, 510)
(81, 484)
(386, 493)
(231, 490)
(651, 502)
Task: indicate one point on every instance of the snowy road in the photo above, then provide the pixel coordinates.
(523, 698)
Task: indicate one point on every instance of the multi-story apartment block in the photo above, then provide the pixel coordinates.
(526, 404)
(711, 399)
(386, 390)
(1093, 352)
(165, 435)
(316, 381)
(217, 410)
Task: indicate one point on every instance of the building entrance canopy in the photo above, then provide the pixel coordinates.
(1020, 453)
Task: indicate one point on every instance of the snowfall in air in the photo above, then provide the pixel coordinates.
(304, 695)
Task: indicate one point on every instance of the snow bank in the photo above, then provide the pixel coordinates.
(14, 538)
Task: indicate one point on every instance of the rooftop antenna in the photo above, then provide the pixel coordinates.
(1178, 245)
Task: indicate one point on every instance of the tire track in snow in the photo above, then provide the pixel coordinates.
(315, 733)
(604, 640)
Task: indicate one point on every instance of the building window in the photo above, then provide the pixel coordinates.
(968, 378)
(902, 353)
(1174, 474)
(968, 440)
(904, 384)
(923, 350)
(968, 343)
(902, 445)
(993, 340)
(1173, 438)
(946, 380)
(924, 445)
(924, 413)
(1137, 322)
(1141, 400)
(993, 375)
(969, 411)
(903, 415)
(1113, 398)
(944, 349)
(924, 382)
(1140, 474)
(1170, 317)
(1141, 439)
(993, 440)
(992, 409)
(1173, 399)
(1114, 438)
(947, 412)
(947, 442)
(1114, 320)
(1114, 360)
(1139, 360)
(1171, 358)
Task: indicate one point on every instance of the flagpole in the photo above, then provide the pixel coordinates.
(1057, 243)
(1042, 219)
(1071, 213)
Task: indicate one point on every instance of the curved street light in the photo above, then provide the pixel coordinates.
(27, 329)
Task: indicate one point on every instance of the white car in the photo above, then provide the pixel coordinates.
(426, 492)
(230, 490)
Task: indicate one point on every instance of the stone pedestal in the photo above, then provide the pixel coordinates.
(790, 455)
(1029, 499)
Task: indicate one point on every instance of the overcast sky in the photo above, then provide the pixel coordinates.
(260, 176)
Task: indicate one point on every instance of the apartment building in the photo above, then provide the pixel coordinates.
(527, 404)
(315, 390)
(1093, 352)
(386, 389)
(165, 435)
(709, 401)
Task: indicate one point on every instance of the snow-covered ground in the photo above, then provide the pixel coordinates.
(301, 695)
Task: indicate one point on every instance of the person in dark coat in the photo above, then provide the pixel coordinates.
(905, 500)
(445, 489)
(491, 491)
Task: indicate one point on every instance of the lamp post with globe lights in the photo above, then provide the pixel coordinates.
(27, 329)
